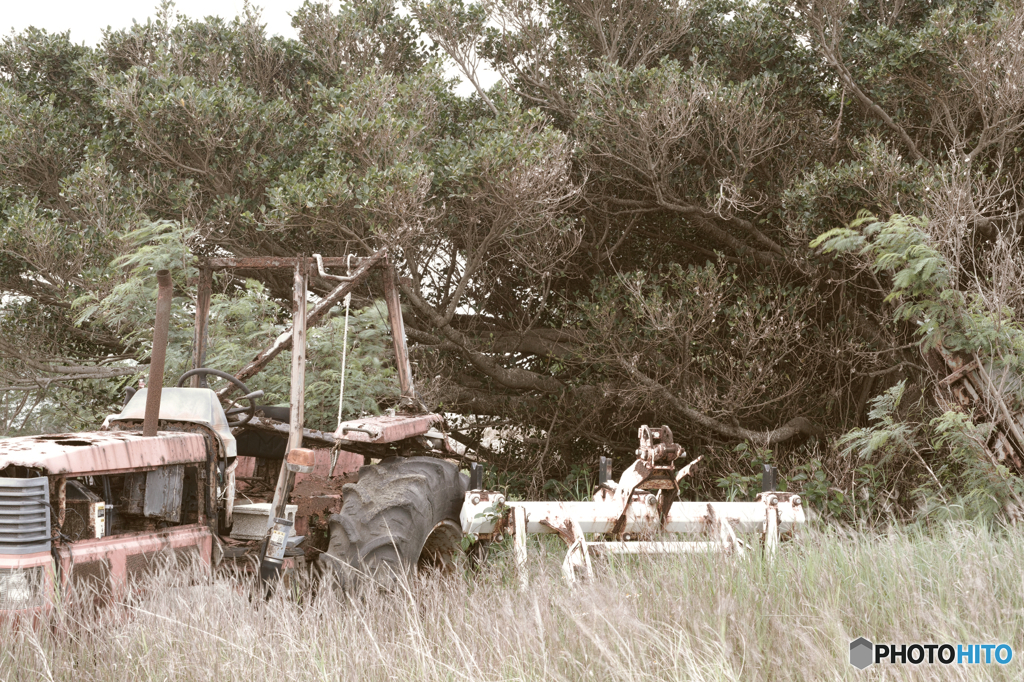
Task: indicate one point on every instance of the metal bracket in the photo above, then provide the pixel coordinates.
(653, 470)
(476, 476)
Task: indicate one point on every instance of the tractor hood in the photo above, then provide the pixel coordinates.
(98, 452)
(191, 405)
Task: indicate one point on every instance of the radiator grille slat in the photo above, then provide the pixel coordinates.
(24, 515)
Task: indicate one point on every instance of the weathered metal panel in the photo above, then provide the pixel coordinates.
(163, 493)
(386, 429)
(246, 467)
(91, 575)
(99, 452)
(115, 550)
(144, 563)
(134, 494)
(189, 405)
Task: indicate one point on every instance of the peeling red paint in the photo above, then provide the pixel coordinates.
(98, 452)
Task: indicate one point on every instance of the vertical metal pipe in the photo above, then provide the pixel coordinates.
(202, 323)
(298, 382)
(159, 355)
(286, 478)
(405, 380)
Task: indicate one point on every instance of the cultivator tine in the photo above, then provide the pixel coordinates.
(728, 542)
(577, 557)
(771, 526)
(519, 528)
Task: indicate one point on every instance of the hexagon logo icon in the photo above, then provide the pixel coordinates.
(861, 653)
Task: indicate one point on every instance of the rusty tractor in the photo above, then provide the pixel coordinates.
(186, 474)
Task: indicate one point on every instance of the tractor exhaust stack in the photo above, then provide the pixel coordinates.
(155, 384)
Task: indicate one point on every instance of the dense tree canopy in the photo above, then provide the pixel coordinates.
(617, 232)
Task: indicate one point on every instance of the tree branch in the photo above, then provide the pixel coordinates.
(767, 438)
(513, 377)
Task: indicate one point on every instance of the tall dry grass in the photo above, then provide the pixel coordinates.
(677, 618)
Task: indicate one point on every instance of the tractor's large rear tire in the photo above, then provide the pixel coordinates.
(401, 516)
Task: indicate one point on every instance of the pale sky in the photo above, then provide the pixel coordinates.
(86, 20)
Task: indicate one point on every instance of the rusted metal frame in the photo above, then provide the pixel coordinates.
(208, 507)
(201, 331)
(405, 380)
(274, 262)
(286, 477)
(485, 516)
(151, 423)
(298, 379)
(284, 341)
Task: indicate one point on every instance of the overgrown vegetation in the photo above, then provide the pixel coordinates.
(651, 217)
(691, 617)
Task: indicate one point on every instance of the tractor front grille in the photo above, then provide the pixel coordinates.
(24, 515)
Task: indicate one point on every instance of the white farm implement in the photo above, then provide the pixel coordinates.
(631, 513)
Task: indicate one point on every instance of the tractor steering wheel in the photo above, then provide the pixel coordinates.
(246, 413)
